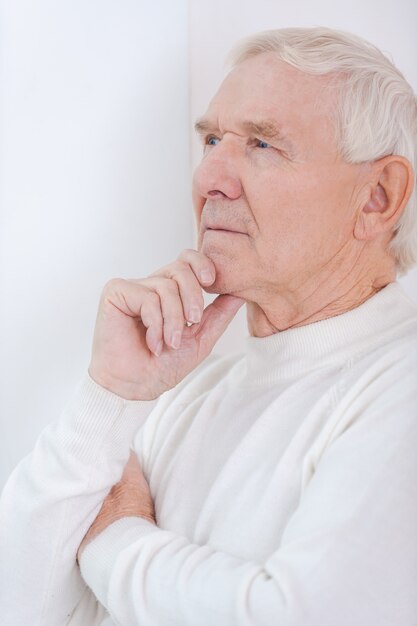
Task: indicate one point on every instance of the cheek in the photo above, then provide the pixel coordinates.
(278, 205)
(299, 214)
(336, 210)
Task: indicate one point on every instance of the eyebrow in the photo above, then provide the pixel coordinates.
(266, 128)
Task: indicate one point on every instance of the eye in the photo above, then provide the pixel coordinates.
(211, 140)
(263, 144)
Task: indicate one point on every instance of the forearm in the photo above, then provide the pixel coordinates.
(145, 575)
(123, 501)
(51, 499)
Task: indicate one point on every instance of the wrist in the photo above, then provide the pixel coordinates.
(122, 389)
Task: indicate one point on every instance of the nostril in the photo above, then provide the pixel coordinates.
(216, 193)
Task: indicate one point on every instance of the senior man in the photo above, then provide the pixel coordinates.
(277, 486)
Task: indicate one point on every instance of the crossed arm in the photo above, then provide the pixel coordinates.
(345, 557)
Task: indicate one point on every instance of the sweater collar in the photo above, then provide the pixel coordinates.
(295, 351)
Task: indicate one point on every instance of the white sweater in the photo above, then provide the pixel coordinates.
(284, 481)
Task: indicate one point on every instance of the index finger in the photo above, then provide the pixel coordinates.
(202, 266)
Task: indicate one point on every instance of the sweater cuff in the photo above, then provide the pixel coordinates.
(97, 416)
(100, 555)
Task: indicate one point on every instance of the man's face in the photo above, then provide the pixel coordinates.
(271, 170)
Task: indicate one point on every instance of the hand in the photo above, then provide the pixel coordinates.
(142, 346)
(131, 496)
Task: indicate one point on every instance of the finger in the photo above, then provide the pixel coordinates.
(151, 316)
(191, 271)
(171, 308)
(189, 288)
(135, 299)
(202, 267)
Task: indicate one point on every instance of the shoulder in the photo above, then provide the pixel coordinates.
(376, 393)
(379, 390)
(395, 357)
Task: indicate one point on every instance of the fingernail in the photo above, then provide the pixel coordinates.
(206, 276)
(176, 339)
(158, 349)
(194, 315)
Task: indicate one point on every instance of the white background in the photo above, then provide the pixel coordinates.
(96, 111)
(94, 179)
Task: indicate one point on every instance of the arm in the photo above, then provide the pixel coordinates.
(51, 499)
(348, 556)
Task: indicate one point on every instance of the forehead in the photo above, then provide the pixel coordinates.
(264, 87)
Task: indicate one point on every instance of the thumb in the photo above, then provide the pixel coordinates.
(216, 318)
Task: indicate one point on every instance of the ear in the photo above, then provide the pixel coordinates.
(387, 193)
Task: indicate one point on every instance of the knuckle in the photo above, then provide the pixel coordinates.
(114, 284)
(186, 254)
(160, 285)
(152, 299)
(171, 286)
(180, 266)
(149, 318)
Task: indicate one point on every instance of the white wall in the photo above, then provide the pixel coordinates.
(94, 158)
(216, 25)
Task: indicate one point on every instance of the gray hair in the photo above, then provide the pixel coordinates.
(377, 110)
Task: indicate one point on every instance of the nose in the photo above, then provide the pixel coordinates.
(217, 174)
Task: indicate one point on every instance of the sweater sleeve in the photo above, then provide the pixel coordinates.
(348, 555)
(51, 499)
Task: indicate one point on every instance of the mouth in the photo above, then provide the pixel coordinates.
(224, 230)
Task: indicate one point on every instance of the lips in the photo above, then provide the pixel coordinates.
(224, 228)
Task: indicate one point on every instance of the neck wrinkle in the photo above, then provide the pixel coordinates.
(336, 339)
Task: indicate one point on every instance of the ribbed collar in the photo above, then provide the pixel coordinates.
(295, 351)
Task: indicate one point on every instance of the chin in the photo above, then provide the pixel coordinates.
(228, 269)
(217, 288)
(227, 280)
